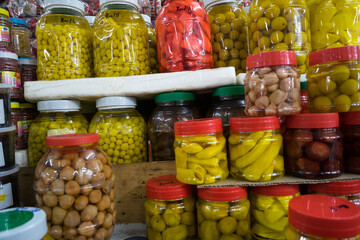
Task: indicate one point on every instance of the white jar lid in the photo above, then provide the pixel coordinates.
(10, 55)
(27, 61)
(7, 172)
(115, 102)
(133, 2)
(58, 105)
(147, 19)
(65, 3)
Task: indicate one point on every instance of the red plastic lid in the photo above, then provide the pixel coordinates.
(339, 54)
(274, 58)
(325, 216)
(254, 124)
(311, 120)
(222, 194)
(166, 188)
(198, 126)
(277, 190)
(72, 139)
(337, 188)
(350, 118)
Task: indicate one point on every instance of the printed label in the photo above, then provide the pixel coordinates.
(23, 127)
(2, 111)
(12, 78)
(4, 34)
(54, 132)
(2, 159)
(6, 197)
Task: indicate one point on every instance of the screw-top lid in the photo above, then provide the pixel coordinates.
(15, 105)
(277, 190)
(166, 188)
(135, 3)
(72, 139)
(339, 54)
(27, 105)
(229, 91)
(245, 124)
(115, 102)
(147, 19)
(325, 216)
(90, 19)
(77, 4)
(274, 58)
(222, 194)
(27, 61)
(198, 126)
(58, 105)
(10, 55)
(303, 85)
(350, 118)
(174, 96)
(4, 12)
(19, 21)
(337, 188)
(207, 3)
(8, 172)
(313, 120)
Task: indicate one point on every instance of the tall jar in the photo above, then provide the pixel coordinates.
(200, 151)
(10, 74)
(27, 70)
(153, 57)
(170, 108)
(313, 146)
(64, 47)
(169, 209)
(20, 38)
(74, 185)
(121, 128)
(28, 115)
(229, 31)
(5, 35)
(281, 25)
(183, 37)
(56, 117)
(120, 40)
(223, 213)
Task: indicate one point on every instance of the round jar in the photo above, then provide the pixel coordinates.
(7, 147)
(9, 187)
(16, 118)
(121, 128)
(56, 117)
(170, 108)
(272, 84)
(169, 209)
(223, 213)
(313, 146)
(153, 57)
(269, 210)
(5, 35)
(28, 70)
(20, 37)
(322, 218)
(64, 47)
(120, 40)
(334, 79)
(10, 74)
(28, 114)
(256, 149)
(74, 185)
(304, 98)
(5, 105)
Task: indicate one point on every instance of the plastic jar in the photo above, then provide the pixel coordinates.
(16, 116)
(10, 74)
(333, 80)
(223, 212)
(9, 187)
(229, 31)
(200, 151)
(5, 35)
(153, 57)
(313, 146)
(121, 40)
(7, 147)
(121, 128)
(74, 185)
(269, 210)
(28, 70)
(5, 105)
(56, 117)
(183, 36)
(20, 37)
(170, 108)
(304, 98)
(256, 149)
(272, 84)
(64, 47)
(169, 209)
(281, 25)
(322, 218)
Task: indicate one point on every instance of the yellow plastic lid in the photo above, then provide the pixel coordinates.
(15, 105)
(4, 12)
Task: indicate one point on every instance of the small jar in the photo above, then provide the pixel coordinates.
(169, 209)
(28, 115)
(322, 218)
(7, 147)
(313, 146)
(304, 98)
(256, 149)
(20, 37)
(153, 57)
(269, 210)
(10, 74)
(170, 108)
(16, 118)
(5, 35)
(5, 105)
(9, 187)
(272, 84)
(223, 213)
(28, 70)
(121, 128)
(74, 185)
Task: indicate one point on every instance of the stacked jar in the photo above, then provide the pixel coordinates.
(27, 70)
(20, 37)
(5, 36)
(153, 57)
(304, 97)
(10, 74)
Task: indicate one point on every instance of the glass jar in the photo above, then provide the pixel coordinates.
(28, 115)
(120, 40)
(153, 57)
(56, 117)
(171, 107)
(27, 70)
(304, 98)
(313, 146)
(5, 105)
(322, 218)
(272, 84)
(269, 210)
(5, 35)
(183, 37)
(10, 74)
(7, 148)
(20, 37)
(256, 149)
(16, 117)
(121, 128)
(64, 47)
(223, 213)
(200, 151)
(74, 185)
(169, 209)
(334, 79)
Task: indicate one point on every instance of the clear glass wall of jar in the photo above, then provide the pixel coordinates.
(28, 115)
(28, 70)
(10, 74)
(153, 57)
(20, 38)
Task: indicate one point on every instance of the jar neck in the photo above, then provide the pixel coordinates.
(64, 10)
(62, 111)
(121, 5)
(175, 103)
(116, 109)
(221, 2)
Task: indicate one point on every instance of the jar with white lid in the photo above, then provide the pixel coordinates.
(10, 74)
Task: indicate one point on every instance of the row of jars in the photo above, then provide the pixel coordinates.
(271, 212)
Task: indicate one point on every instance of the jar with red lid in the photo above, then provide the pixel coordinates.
(28, 69)
(322, 218)
(272, 84)
(269, 210)
(313, 146)
(5, 34)
(200, 151)
(169, 209)
(223, 213)
(256, 149)
(304, 98)
(10, 74)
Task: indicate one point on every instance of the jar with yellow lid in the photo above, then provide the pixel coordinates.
(20, 37)
(5, 34)
(153, 58)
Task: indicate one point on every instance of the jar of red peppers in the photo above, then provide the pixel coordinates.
(183, 36)
(10, 74)
(313, 146)
(5, 34)
(28, 69)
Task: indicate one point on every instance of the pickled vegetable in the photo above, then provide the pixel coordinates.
(153, 58)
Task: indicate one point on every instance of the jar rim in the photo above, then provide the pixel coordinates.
(166, 188)
(313, 120)
(246, 124)
(71, 4)
(68, 140)
(273, 58)
(133, 3)
(198, 126)
(210, 3)
(222, 194)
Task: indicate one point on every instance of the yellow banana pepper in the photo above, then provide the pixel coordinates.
(212, 151)
(189, 176)
(211, 162)
(191, 148)
(180, 158)
(246, 145)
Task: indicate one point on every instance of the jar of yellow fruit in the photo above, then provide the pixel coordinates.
(153, 58)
